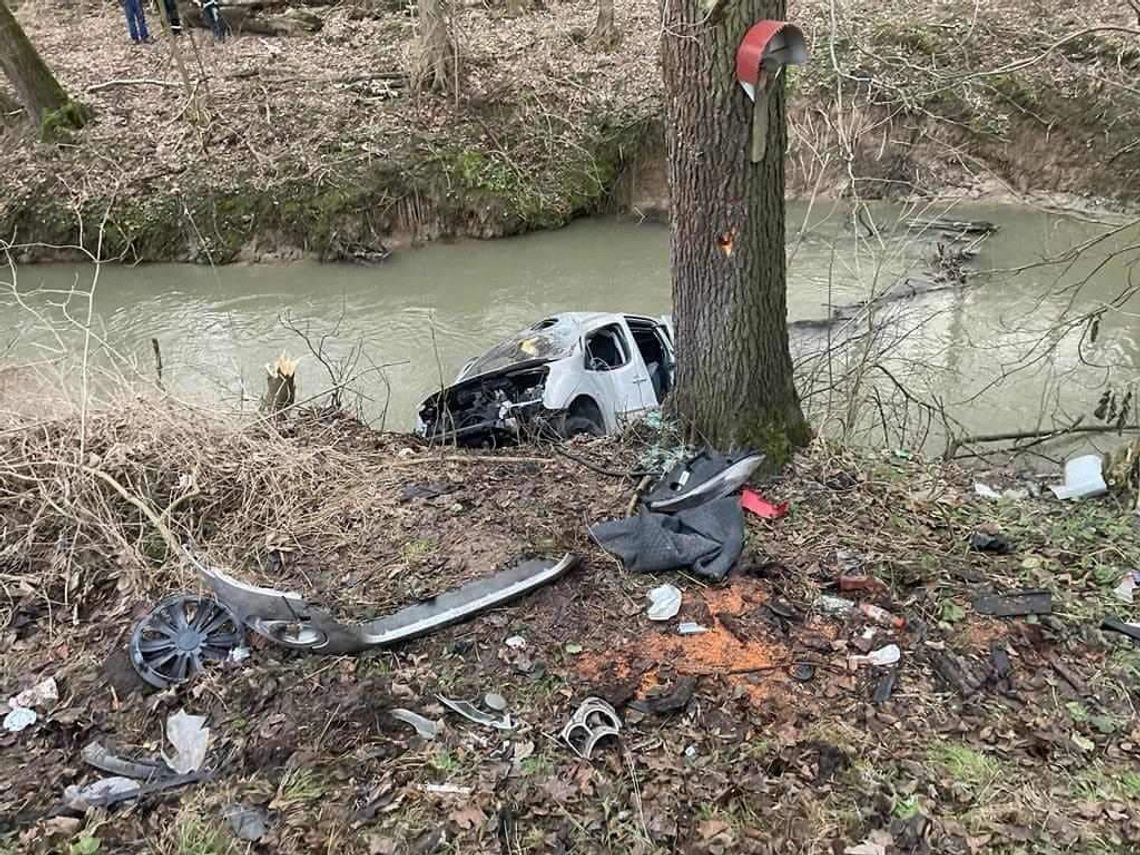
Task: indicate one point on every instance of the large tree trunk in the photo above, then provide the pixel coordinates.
(36, 87)
(734, 373)
(434, 65)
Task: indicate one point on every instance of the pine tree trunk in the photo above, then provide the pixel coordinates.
(36, 87)
(734, 373)
(434, 65)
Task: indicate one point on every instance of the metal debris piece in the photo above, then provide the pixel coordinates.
(102, 792)
(593, 721)
(95, 754)
(190, 738)
(885, 687)
(888, 655)
(248, 823)
(42, 694)
(664, 603)
(983, 541)
(495, 701)
(674, 701)
(473, 714)
(425, 727)
(691, 628)
(179, 635)
(803, 671)
(109, 791)
(1015, 604)
(19, 718)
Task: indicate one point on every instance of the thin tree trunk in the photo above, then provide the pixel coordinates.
(36, 87)
(604, 35)
(734, 372)
(434, 65)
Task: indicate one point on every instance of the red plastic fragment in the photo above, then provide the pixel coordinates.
(754, 503)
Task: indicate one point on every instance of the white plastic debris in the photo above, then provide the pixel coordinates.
(19, 718)
(888, 655)
(664, 603)
(190, 738)
(1084, 476)
(830, 605)
(239, 654)
(516, 642)
(425, 727)
(1124, 591)
(248, 823)
(42, 694)
(79, 798)
(691, 628)
(986, 491)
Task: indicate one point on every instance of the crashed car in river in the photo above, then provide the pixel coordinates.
(571, 373)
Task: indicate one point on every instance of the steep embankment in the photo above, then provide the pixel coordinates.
(272, 147)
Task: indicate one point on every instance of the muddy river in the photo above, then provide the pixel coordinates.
(990, 354)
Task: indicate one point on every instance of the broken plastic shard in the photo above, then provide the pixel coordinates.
(495, 701)
(97, 755)
(472, 713)
(103, 791)
(593, 721)
(830, 605)
(888, 655)
(42, 694)
(19, 718)
(756, 504)
(1124, 591)
(190, 738)
(516, 642)
(664, 602)
(425, 727)
(691, 628)
(239, 654)
(248, 823)
(1084, 476)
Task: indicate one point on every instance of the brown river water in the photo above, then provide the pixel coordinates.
(984, 352)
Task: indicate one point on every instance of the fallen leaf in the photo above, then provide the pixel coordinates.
(711, 828)
(469, 816)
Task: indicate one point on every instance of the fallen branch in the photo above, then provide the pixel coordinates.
(130, 81)
(1012, 436)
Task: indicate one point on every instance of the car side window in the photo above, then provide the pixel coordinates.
(606, 349)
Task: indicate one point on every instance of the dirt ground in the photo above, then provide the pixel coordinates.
(780, 747)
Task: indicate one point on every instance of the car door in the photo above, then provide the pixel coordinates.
(616, 371)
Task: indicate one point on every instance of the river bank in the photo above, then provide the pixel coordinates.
(753, 759)
(314, 145)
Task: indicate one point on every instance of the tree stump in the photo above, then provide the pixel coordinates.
(280, 385)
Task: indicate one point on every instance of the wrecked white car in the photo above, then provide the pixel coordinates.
(572, 373)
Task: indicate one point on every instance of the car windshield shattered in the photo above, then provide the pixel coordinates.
(553, 338)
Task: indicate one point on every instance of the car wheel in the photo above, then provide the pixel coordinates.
(573, 426)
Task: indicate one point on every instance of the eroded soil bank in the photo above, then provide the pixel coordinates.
(960, 758)
(315, 144)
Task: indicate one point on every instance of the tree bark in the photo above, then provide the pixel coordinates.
(435, 62)
(604, 34)
(734, 384)
(36, 87)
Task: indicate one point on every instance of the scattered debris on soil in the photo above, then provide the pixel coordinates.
(986, 730)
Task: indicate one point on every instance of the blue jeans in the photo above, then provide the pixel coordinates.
(136, 20)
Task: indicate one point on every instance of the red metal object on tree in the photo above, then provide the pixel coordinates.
(766, 48)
